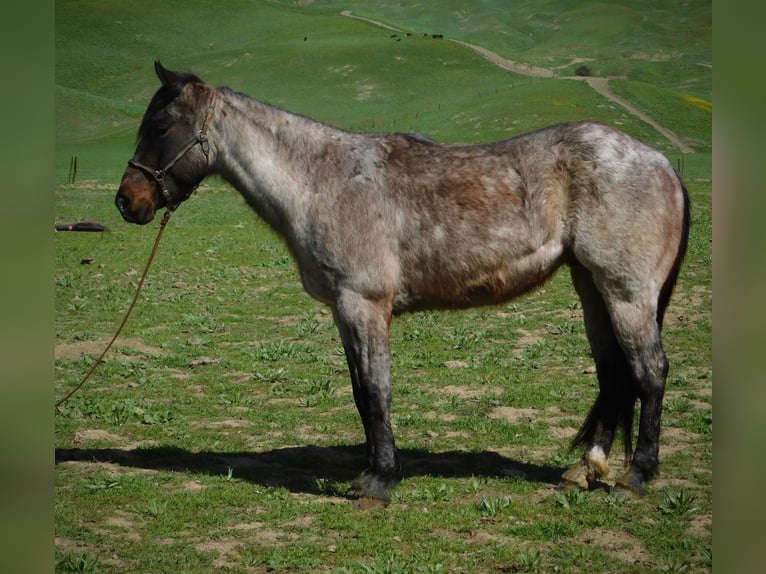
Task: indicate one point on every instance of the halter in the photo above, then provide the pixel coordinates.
(159, 174)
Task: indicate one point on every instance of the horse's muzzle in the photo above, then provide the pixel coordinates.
(141, 214)
(135, 198)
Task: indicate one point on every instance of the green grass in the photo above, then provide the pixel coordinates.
(245, 456)
(220, 432)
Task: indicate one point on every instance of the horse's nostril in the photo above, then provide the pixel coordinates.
(120, 201)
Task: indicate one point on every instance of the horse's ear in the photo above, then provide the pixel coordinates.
(166, 76)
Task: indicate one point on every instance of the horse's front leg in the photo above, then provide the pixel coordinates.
(363, 326)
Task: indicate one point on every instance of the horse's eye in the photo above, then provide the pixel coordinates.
(162, 128)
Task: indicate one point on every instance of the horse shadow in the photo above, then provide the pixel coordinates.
(309, 469)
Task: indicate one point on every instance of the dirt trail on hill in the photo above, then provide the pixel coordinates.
(510, 65)
(601, 85)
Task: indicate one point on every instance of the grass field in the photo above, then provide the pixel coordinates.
(220, 433)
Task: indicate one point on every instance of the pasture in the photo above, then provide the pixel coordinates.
(220, 434)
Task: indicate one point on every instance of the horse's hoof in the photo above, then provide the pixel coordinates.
(627, 492)
(370, 485)
(575, 477)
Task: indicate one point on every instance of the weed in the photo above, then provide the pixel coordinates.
(571, 497)
(442, 492)
(103, 483)
(318, 392)
(393, 564)
(83, 563)
(157, 416)
(273, 351)
(672, 565)
(493, 506)
(201, 323)
(307, 326)
(239, 398)
(700, 422)
(677, 503)
(530, 560)
(677, 405)
(77, 305)
(705, 556)
(121, 412)
(272, 376)
(477, 483)
(557, 529)
(156, 509)
(327, 487)
(464, 338)
(279, 389)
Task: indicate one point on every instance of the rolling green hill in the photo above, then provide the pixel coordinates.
(308, 58)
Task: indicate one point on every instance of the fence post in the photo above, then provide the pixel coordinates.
(73, 169)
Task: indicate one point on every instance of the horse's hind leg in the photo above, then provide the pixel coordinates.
(635, 367)
(616, 398)
(363, 326)
(638, 331)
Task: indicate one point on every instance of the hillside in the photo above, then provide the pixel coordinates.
(310, 59)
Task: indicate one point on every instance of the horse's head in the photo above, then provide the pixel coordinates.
(171, 158)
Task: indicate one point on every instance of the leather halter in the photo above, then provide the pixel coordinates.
(159, 174)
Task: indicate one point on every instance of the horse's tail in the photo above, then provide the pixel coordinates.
(670, 281)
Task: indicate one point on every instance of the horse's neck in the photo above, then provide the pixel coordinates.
(267, 155)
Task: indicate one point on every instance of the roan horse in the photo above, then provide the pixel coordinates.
(383, 223)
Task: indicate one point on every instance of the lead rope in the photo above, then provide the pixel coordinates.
(163, 223)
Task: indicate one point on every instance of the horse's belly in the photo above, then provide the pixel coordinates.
(466, 282)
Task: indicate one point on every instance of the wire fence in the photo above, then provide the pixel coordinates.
(110, 175)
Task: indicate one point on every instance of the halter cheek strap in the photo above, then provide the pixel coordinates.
(159, 174)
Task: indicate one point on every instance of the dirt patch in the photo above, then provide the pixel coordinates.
(621, 545)
(563, 432)
(92, 435)
(193, 486)
(301, 521)
(455, 364)
(434, 416)
(80, 348)
(247, 526)
(652, 57)
(527, 338)
(702, 525)
(229, 423)
(226, 548)
(469, 393)
(69, 545)
(124, 522)
(515, 415)
(364, 91)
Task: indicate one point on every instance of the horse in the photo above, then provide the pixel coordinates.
(385, 223)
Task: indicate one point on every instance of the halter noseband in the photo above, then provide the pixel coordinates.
(159, 174)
